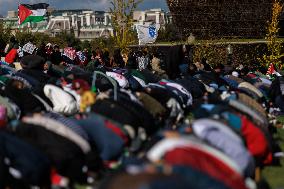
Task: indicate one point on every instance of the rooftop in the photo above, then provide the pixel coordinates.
(74, 11)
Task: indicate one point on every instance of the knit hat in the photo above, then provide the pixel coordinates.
(32, 62)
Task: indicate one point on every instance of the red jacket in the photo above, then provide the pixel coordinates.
(256, 141)
(207, 163)
(11, 56)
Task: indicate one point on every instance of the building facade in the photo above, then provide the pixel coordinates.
(152, 16)
(86, 24)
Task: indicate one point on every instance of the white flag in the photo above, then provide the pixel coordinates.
(147, 34)
(29, 48)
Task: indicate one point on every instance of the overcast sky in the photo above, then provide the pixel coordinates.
(6, 5)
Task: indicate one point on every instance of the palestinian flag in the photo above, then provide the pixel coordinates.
(32, 13)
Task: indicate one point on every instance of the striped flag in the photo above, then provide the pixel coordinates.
(32, 13)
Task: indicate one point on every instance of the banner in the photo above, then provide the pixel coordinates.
(147, 34)
(70, 53)
(29, 48)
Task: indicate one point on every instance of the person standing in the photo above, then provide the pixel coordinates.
(106, 58)
(155, 63)
(96, 60)
(56, 56)
(12, 54)
(10, 45)
(117, 59)
(174, 59)
(143, 60)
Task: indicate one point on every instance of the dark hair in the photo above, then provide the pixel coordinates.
(144, 52)
(155, 54)
(117, 58)
(93, 52)
(117, 52)
(13, 39)
(78, 48)
(105, 53)
(218, 66)
(98, 52)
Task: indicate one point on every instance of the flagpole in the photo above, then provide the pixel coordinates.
(18, 16)
(139, 41)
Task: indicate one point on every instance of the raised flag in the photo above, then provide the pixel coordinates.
(29, 48)
(147, 34)
(32, 13)
(70, 53)
(271, 70)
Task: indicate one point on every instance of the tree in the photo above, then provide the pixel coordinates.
(169, 34)
(64, 39)
(24, 37)
(5, 35)
(102, 43)
(41, 38)
(122, 21)
(214, 52)
(274, 46)
(85, 44)
(220, 19)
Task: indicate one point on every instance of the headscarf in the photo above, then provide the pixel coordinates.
(80, 84)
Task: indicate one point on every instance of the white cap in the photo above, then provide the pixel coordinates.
(236, 74)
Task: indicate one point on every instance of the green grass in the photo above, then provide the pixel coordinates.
(275, 175)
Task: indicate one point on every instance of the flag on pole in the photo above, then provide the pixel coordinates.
(147, 34)
(271, 69)
(32, 13)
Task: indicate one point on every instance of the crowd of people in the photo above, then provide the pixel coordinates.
(139, 121)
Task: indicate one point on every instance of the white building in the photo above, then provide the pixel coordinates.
(152, 16)
(86, 24)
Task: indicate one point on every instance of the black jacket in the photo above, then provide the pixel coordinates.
(65, 155)
(33, 165)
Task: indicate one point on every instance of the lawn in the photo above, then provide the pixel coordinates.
(275, 175)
